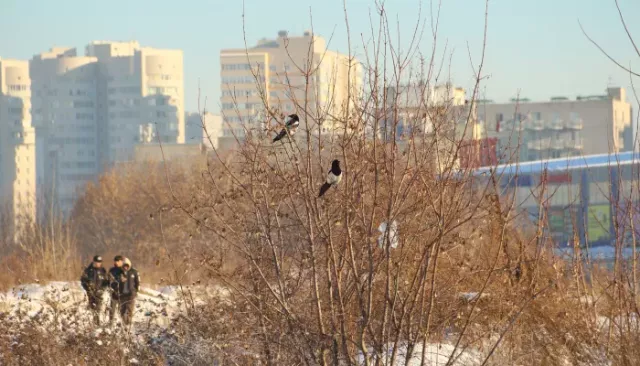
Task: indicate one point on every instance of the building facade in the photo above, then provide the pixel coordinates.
(594, 199)
(274, 72)
(91, 111)
(143, 97)
(17, 144)
(528, 131)
(416, 107)
(64, 98)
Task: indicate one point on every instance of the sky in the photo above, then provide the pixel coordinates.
(534, 48)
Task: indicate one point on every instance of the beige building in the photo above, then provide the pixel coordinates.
(559, 127)
(91, 111)
(17, 143)
(273, 72)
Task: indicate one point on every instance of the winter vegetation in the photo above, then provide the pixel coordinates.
(408, 260)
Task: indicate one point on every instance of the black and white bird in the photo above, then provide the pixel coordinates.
(333, 177)
(290, 127)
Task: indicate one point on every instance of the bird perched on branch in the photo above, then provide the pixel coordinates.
(290, 127)
(333, 177)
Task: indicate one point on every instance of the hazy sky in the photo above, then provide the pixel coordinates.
(534, 46)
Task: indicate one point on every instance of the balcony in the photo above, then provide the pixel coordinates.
(535, 125)
(514, 125)
(576, 144)
(539, 145)
(556, 125)
(558, 144)
(575, 124)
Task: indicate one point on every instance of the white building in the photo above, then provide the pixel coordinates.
(17, 143)
(143, 90)
(91, 111)
(64, 101)
(273, 64)
(205, 129)
(414, 105)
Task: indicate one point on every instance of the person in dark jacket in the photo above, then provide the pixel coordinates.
(129, 287)
(94, 281)
(115, 277)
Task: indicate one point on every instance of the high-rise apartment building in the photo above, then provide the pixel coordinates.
(64, 98)
(280, 67)
(559, 128)
(142, 93)
(91, 111)
(17, 143)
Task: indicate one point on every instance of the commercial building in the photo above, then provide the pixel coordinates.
(594, 197)
(17, 144)
(560, 127)
(274, 72)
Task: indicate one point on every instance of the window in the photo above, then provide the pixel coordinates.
(82, 104)
(17, 87)
(84, 116)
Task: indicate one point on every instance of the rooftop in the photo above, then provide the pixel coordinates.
(564, 164)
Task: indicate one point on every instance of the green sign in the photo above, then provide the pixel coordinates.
(599, 218)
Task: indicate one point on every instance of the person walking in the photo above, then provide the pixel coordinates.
(115, 278)
(94, 281)
(130, 286)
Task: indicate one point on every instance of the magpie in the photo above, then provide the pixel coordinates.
(290, 127)
(333, 177)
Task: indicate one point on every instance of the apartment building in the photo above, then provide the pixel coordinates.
(64, 100)
(414, 107)
(17, 143)
(560, 127)
(91, 111)
(142, 92)
(274, 72)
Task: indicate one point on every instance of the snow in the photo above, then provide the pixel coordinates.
(435, 354)
(155, 306)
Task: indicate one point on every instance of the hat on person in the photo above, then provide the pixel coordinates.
(127, 262)
(97, 258)
(118, 258)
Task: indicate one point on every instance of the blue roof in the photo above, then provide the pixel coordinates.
(564, 164)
